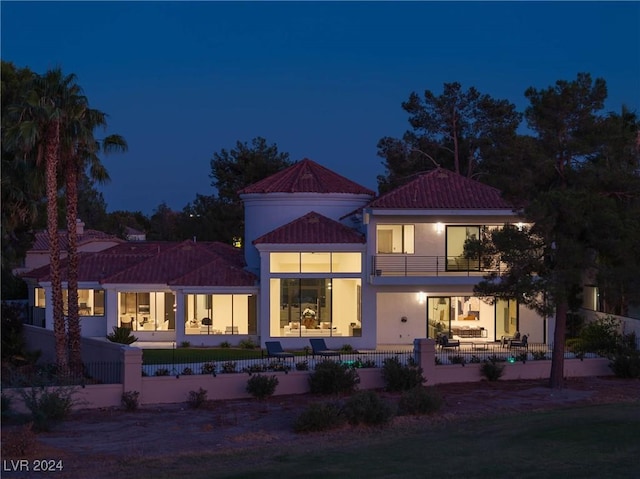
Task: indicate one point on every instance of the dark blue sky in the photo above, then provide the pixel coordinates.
(182, 80)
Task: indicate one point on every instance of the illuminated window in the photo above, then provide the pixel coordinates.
(395, 239)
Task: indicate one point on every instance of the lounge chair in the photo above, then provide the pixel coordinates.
(320, 348)
(444, 342)
(274, 350)
(520, 343)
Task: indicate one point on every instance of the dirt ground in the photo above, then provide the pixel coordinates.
(93, 437)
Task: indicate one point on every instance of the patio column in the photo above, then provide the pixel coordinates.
(425, 356)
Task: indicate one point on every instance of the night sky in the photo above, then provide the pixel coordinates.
(182, 80)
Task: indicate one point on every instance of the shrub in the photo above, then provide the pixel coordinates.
(601, 336)
(626, 364)
(420, 400)
(491, 370)
(457, 359)
(121, 336)
(331, 377)
(539, 355)
(20, 442)
(185, 344)
(262, 387)
(229, 367)
(366, 407)
(187, 371)
(302, 365)
(130, 400)
(225, 344)
(162, 372)
(346, 348)
(475, 359)
(279, 366)
(399, 377)
(195, 399)
(365, 363)
(319, 417)
(248, 344)
(255, 368)
(48, 406)
(208, 368)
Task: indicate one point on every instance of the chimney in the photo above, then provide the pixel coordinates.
(79, 227)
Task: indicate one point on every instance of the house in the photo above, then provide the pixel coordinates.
(323, 257)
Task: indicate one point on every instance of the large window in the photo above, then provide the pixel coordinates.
(456, 237)
(147, 311)
(220, 314)
(395, 239)
(315, 262)
(315, 307)
(90, 301)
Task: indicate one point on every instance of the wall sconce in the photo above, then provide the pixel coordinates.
(439, 228)
(404, 319)
(520, 226)
(421, 297)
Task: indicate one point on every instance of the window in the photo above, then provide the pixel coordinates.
(309, 307)
(456, 237)
(315, 262)
(90, 301)
(395, 239)
(220, 314)
(147, 311)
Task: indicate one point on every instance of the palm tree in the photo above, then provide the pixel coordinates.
(37, 134)
(79, 153)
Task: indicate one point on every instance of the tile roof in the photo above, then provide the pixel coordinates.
(309, 229)
(442, 189)
(41, 242)
(306, 176)
(185, 263)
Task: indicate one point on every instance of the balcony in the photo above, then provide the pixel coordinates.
(422, 266)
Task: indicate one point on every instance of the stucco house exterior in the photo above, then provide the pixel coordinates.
(323, 257)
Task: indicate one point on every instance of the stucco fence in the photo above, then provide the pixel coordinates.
(175, 389)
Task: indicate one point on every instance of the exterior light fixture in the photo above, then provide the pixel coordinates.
(439, 228)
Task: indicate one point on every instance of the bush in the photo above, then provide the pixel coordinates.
(366, 407)
(539, 355)
(187, 371)
(208, 368)
(20, 442)
(225, 344)
(491, 369)
(248, 344)
(229, 367)
(420, 400)
(262, 387)
(255, 368)
(302, 365)
(399, 377)
(121, 336)
(185, 344)
(195, 399)
(601, 336)
(346, 348)
(626, 364)
(319, 417)
(130, 400)
(331, 377)
(48, 406)
(162, 372)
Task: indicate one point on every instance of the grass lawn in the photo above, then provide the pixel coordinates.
(196, 355)
(583, 442)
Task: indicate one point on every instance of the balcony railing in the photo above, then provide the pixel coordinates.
(411, 265)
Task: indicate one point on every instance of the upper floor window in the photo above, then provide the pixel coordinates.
(395, 239)
(315, 262)
(456, 237)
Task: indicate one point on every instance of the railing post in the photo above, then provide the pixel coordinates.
(425, 355)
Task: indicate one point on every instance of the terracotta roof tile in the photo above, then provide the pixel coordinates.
(207, 264)
(41, 241)
(311, 228)
(306, 176)
(442, 189)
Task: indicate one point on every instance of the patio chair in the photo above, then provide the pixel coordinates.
(320, 348)
(520, 343)
(274, 350)
(444, 342)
